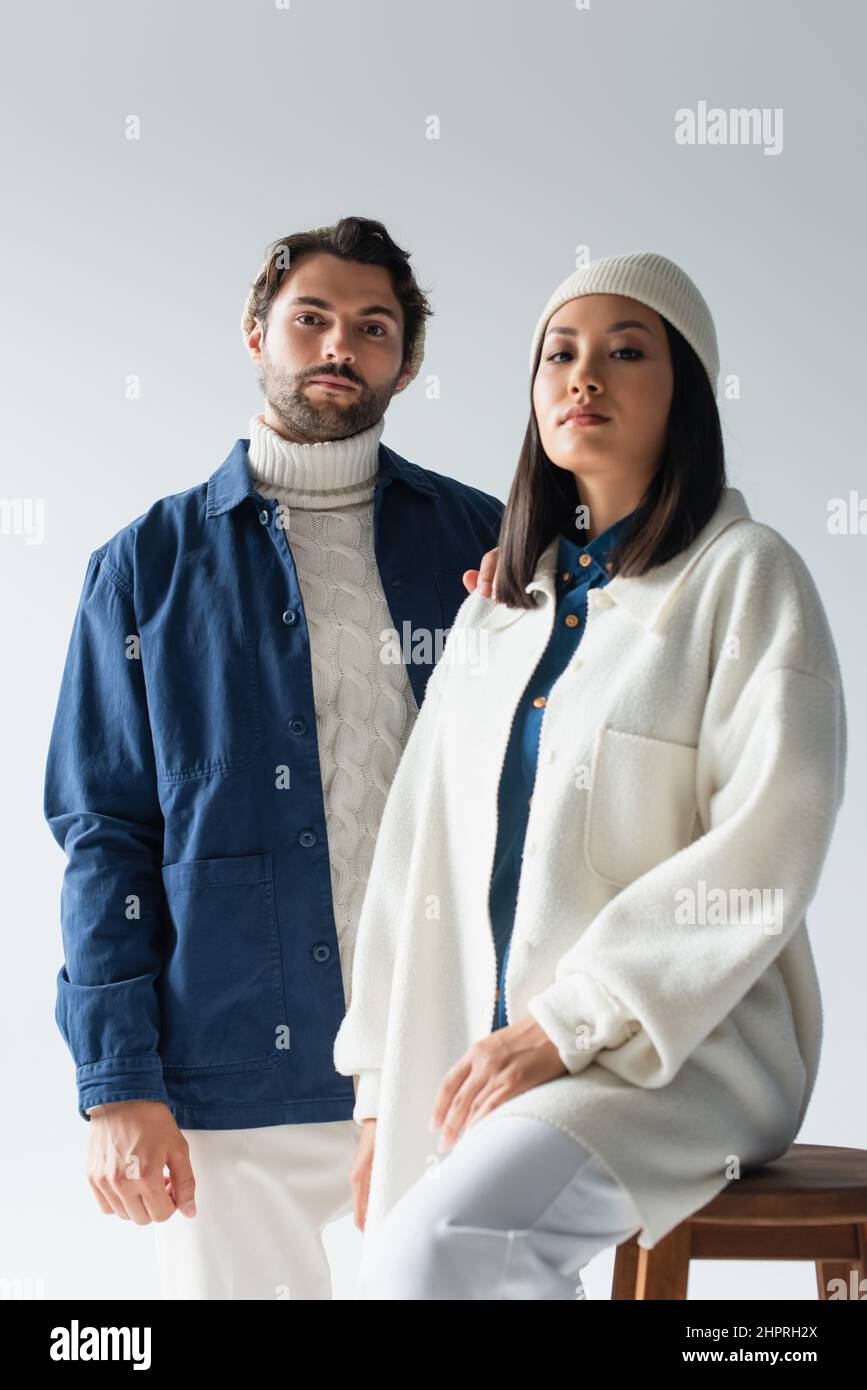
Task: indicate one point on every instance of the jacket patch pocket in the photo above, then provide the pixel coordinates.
(642, 805)
(203, 693)
(221, 991)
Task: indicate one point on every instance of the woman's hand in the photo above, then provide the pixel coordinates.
(359, 1173)
(495, 1068)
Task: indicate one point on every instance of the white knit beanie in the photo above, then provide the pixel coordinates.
(416, 356)
(652, 280)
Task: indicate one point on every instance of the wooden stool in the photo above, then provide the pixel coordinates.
(811, 1204)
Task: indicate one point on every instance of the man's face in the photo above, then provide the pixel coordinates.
(331, 355)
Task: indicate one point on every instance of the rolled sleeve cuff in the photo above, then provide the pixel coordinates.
(581, 1018)
(119, 1078)
(366, 1096)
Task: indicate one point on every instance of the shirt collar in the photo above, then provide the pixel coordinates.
(598, 549)
(229, 484)
(649, 598)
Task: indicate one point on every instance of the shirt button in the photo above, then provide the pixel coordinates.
(529, 800)
(571, 620)
(585, 560)
(264, 516)
(547, 755)
(540, 700)
(290, 617)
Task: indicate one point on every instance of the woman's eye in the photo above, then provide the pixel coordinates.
(564, 352)
(637, 351)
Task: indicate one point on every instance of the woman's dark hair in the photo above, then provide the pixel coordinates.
(681, 497)
(353, 239)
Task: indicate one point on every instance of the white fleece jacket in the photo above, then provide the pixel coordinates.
(691, 767)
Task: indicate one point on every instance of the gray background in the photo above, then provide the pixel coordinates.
(557, 131)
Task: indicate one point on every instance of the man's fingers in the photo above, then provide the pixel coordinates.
(183, 1181)
(488, 567)
(484, 578)
(104, 1204)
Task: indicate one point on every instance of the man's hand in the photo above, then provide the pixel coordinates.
(359, 1173)
(510, 1060)
(484, 579)
(130, 1141)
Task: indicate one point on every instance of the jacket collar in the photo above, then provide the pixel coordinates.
(232, 481)
(649, 598)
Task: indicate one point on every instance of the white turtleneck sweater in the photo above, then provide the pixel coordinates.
(365, 708)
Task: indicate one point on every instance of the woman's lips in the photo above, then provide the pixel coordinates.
(583, 420)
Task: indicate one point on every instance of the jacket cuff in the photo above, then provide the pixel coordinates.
(581, 1018)
(119, 1078)
(366, 1096)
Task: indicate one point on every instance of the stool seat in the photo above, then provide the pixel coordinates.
(809, 1204)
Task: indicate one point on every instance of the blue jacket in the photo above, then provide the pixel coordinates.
(201, 958)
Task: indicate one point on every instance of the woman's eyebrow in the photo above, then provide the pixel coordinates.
(612, 328)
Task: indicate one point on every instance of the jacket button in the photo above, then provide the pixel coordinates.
(290, 617)
(585, 560)
(321, 951)
(571, 620)
(540, 700)
(264, 516)
(307, 838)
(566, 575)
(297, 725)
(396, 582)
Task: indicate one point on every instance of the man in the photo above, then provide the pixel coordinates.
(228, 725)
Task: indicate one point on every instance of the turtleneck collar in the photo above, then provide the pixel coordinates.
(327, 473)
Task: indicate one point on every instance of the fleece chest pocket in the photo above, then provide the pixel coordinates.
(222, 1002)
(641, 807)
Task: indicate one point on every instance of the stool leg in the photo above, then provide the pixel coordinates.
(849, 1275)
(663, 1272)
(625, 1270)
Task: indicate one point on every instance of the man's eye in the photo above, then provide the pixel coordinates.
(308, 316)
(379, 326)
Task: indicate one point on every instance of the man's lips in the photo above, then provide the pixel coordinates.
(335, 382)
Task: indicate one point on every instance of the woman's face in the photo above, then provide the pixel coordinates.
(609, 354)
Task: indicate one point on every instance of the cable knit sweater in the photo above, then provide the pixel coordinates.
(365, 708)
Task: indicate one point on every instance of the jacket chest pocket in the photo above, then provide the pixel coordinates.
(203, 699)
(222, 1002)
(641, 807)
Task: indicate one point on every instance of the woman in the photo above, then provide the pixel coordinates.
(650, 729)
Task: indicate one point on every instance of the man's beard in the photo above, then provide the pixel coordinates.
(317, 420)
